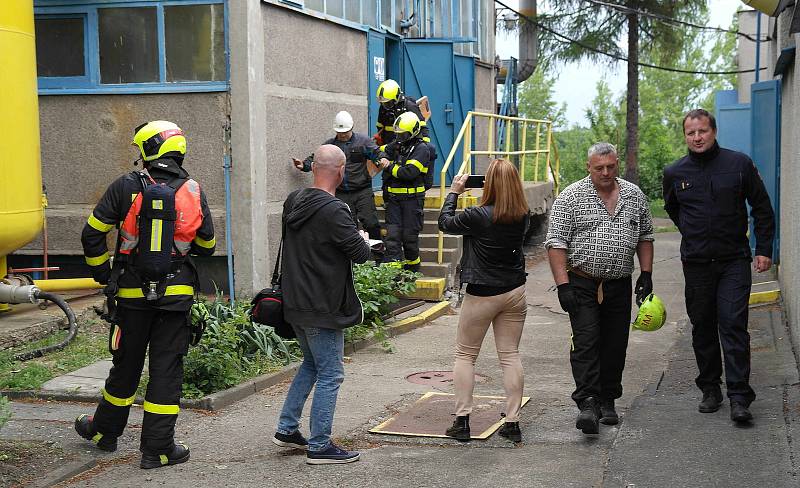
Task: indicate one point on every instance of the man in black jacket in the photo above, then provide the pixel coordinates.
(705, 194)
(356, 187)
(321, 242)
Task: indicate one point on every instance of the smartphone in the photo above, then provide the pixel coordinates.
(475, 181)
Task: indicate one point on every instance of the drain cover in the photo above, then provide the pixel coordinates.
(437, 378)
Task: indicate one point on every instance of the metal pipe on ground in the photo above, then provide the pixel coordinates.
(67, 284)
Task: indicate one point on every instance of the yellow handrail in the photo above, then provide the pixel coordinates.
(464, 138)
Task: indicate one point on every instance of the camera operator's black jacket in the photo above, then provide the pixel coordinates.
(320, 243)
(705, 194)
(493, 253)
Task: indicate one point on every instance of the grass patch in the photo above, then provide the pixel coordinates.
(88, 347)
(666, 228)
(657, 209)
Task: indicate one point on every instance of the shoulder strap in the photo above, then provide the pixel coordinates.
(276, 273)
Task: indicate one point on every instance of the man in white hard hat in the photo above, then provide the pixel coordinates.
(356, 187)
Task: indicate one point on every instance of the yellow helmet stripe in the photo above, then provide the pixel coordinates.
(160, 409)
(207, 244)
(117, 401)
(99, 225)
(97, 260)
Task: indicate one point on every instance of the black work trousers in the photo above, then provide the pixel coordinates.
(404, 219)
(717, 298)
(362, 209)
(167, 333)
(599, 337)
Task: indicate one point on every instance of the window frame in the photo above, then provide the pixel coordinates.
(90, 83)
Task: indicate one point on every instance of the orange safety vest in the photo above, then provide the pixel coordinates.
(189, 218)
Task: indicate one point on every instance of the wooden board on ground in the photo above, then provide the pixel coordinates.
(431, 415)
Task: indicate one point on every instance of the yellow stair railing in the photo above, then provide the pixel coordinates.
(544, 152)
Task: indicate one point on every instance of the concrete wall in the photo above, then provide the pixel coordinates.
(85, 145)
(485, 101)
(746, 52)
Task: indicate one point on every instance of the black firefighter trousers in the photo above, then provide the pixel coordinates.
(404, 219)
(167, 333)
(599, 337)
(717, 299)
(362, 209)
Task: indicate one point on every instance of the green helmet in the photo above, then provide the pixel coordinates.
(652, 314)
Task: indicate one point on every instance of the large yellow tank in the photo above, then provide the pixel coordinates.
(20, 165)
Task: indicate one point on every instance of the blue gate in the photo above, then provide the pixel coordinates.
(765, 101)
(376, 73)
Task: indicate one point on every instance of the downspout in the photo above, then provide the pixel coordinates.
(226, 167)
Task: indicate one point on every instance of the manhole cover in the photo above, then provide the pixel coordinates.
(437, 378)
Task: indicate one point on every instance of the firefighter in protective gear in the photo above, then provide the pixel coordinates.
(162, 323)
(356, 187)
(404, 190)
(393, 103)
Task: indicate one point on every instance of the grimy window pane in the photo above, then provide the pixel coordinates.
(128, 45)
(352, 10)
(59, 47)
(386, 12)
(317, 5)
(335, 8)
(195, 42)
(371, 13)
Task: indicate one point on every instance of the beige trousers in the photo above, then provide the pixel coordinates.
(506, 313)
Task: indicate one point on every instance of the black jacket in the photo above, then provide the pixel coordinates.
(387, 116)
(357, 151)
(411, 165)
(493, 253)
(111, 211)
(320, 244)
(705, 194)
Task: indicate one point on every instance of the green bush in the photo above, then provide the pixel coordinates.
(5, 411)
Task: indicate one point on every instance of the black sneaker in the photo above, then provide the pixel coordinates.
(587, 421)
(608, 414)
(178, 455)
(460, 428)
(739, 413)
(712, 400)
(332, 454)
(294, 440)
(84, 426)
(510, 430)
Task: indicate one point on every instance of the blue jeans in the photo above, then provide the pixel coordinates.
(323, 364)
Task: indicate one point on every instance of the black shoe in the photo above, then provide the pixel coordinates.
(178, 455)
(460, 428)
(739, 413)
(332, 454)
(84, 426)
(712, 400)
(295, 440)
(608, 414)
(587, 421)
(510, 430)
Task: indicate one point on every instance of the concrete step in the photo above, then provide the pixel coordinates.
(430, 214)
(431, 254)
(432, 240)
(435, 270)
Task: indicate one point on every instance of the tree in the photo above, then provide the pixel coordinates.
(601, 26)
(535, 98)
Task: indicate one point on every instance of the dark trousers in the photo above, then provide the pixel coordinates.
(404, 218)
(717, 297)
(362, 209)
(167, 333)
(599, 337)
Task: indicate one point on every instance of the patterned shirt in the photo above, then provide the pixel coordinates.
(598, 243)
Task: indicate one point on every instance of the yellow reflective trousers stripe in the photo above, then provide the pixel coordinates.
(414, 261)
(161, 409)
(117, 401)
(204, 243)
(97, 260)
(172, 290)
(98, 225)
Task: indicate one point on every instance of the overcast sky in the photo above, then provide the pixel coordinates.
(576, 81)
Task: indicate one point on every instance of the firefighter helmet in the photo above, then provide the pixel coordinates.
(343, 122)
(652, 314)
(388, 93)
(157, 138)
(406, 126)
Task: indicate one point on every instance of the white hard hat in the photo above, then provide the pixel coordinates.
(343, 122)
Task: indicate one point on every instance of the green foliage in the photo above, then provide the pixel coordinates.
(657, 209)
(5, 411)
(535, 100)
(377, 287)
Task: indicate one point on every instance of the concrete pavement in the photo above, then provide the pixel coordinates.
(661, 442)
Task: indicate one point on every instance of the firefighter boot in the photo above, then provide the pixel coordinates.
(178, 455)
(84, 426)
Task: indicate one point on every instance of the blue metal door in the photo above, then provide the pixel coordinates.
(765, 101)
(431, 69)
(376, 73)
(733, 122)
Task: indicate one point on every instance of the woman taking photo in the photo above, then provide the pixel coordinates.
(493, 267)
